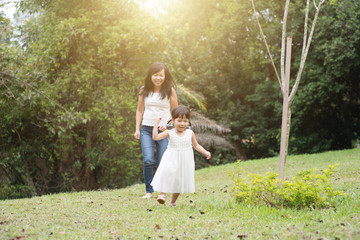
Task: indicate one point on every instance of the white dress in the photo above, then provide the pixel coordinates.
(176, 172)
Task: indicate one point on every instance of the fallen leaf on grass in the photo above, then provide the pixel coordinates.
(113, 232)
(18, 238)
(242, 236)
(201, 212)
(191, 217)
(157, 226)
(149, 210)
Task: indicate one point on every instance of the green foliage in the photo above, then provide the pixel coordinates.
(69, 77)
(74, 86)
(305, 190)
(330, 80)
(15, 191)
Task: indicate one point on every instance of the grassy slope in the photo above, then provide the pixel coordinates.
(210, 213)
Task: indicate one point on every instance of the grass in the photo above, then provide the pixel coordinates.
(210, 213)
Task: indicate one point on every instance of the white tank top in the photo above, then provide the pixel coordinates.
(156, 107)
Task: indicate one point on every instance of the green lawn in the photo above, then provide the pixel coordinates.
(210, 213)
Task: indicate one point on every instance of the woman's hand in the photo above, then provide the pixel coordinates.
(137, 134)
(163, 128)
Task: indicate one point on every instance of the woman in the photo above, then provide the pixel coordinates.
(156, 98)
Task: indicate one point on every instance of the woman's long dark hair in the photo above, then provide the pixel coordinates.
(166, 87)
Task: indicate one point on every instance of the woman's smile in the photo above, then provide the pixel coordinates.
(158, 78)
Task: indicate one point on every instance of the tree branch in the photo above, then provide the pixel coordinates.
(305, 26)
(12, 94)
(266, 45)
(304, 55)
(315, 4)
(283, 40)
(8, 77)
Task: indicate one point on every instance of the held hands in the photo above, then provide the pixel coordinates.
(161, 128)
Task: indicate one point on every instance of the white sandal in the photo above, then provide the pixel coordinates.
(147, 195)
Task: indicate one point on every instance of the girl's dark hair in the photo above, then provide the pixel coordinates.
(166, 87)
(180, 111)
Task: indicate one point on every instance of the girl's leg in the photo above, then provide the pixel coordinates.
(161, 198)
(147, 147)
(174, 197)
(161, 146)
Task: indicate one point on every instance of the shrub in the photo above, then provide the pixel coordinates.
(306, 189)
(15, 191)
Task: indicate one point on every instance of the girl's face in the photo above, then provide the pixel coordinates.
(181, 123)
(158, 78)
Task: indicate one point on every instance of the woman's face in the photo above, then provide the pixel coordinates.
(158, 78)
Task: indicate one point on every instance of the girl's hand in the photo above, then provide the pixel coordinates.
(207, 155)
(137, 135)
(158, 121)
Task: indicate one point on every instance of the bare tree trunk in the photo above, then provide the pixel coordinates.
(288, 130)
(89, 181)
(285, 114)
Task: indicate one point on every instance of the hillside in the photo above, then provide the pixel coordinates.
(210, 213)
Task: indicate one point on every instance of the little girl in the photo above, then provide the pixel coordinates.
(177, 167)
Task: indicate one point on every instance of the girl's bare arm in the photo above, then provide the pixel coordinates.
(199, 148)
(156, 136)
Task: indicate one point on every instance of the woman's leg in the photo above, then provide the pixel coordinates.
(147, 147)
(161, 146)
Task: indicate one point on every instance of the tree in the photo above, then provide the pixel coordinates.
(284, 78)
